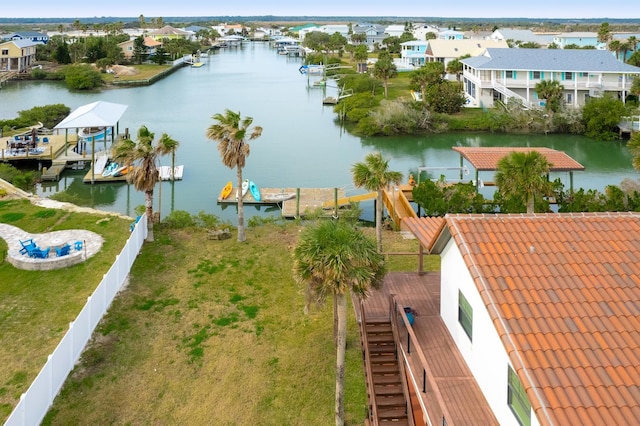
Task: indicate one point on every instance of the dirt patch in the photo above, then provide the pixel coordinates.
(124, 70)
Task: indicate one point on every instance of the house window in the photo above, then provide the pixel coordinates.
(568, 75)
(536, 75)
(5, 52)
(569, 98)
(517, 399)
(465, 315)
(509, 74)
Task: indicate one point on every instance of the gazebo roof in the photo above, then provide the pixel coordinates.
(486, 158)
(96, 114)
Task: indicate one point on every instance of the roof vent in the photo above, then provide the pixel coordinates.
(532, 249)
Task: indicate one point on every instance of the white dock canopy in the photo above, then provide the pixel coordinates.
(96, 114)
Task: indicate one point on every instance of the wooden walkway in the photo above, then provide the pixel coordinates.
(455, 393)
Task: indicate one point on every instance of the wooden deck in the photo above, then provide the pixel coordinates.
(451, 390)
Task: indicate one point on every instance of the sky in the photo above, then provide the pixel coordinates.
(417, 8)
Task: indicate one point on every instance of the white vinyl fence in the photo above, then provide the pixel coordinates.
(35, 402)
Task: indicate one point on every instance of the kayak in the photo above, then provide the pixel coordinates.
(255, 191)
(245, 188)
(226, 190)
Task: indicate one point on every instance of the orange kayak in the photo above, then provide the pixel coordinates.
(226, 190)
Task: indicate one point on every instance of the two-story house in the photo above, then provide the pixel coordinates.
(579, 39)
(18, 55)
(505, 74)
(543, 310)
(413, 53)
(444, 51)
(35, 36)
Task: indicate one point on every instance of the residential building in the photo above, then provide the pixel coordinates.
(420, 31)
(505, 74)
(518, 36)
(128, 46)
(445, 51)
(341, 29)
(450, 35)
(532, 320)
(413, 53)
(18, 55)
(34, 36)
(170, 33)
(374, 34)
(579, 39)
(394, 30)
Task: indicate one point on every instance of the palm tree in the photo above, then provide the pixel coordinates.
(143, 157)
(551, 91)
(384, 68)
(615, 47)
(332, 258)
(231, 132)
(524, 174)
(374, 175)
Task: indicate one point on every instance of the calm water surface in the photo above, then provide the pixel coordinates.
(301, 145)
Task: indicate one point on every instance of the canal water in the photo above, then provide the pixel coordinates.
(302, 144)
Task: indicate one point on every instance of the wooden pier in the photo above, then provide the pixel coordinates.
(294, 202)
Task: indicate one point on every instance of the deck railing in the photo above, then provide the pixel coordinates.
(35, 402)
(417, 368)
(372, 410)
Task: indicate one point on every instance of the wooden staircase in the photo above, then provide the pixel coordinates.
(390, 401)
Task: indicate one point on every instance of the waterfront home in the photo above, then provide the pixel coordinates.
(579, 39)
(394, 30)
(18, 55)
(450, 35)
(505, 74)
(420, 31)
(35, 36)
(518, 36)
(413, 53)
(170, 33)
(542, 310)
(445, 51)
(149, 43)
(374, 34)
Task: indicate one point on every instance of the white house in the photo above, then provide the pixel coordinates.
(394, 30)
(506, 74)
(420, 31)
(519, 36)
(413, 53)
(545, 311)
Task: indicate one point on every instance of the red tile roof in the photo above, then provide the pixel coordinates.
(486, 158)
(564, 293)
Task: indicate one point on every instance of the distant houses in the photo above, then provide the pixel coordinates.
(18, 55)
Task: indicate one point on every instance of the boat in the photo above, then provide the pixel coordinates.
(197, 64)
(245, 188)
(87, 133)
(122, 171)
(255, 191)
(226, 190)
(110, 169)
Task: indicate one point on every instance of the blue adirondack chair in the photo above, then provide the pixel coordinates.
(27, 246)
(63, 251)
(41, 253)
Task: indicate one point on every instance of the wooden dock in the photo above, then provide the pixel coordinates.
(294, 202)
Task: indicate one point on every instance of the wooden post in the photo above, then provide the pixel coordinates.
(297, 203)
(335, 202)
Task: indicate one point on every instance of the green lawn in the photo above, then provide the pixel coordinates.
(36, 307)
(212, 332)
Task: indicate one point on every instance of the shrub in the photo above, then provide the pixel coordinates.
(82, 77)
(179, 219)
